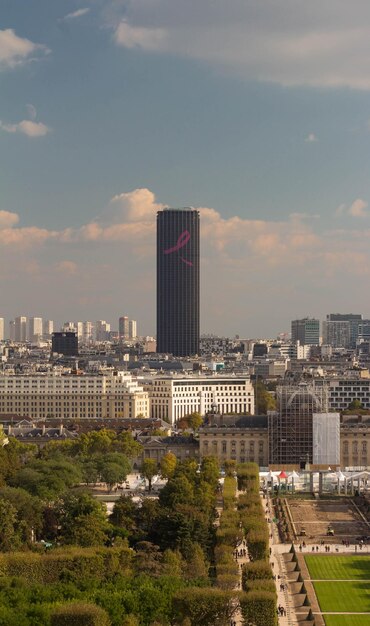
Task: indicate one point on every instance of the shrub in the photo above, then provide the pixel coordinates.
(207, 606)
(80, 562)
(259, 608)
(260, 584)
(79, 614)
(257, 570)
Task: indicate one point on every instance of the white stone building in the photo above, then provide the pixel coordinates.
(173, 397)
(113, 395)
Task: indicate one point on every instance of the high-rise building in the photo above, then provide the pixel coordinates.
(20, 329)
(341, 329)
(34, 329)
(2, 329)
(306, 331)
(65, 343)
(178, 281)
(47, 329)
(12, 330)
(132, 329)
(87, 332)
(124, 327)
(102, 330)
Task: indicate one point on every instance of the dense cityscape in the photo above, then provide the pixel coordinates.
(184, 319)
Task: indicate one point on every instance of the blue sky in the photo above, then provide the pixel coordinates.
(257, 113)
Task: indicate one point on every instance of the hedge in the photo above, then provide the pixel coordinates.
(261, 584)
(79, 614)
(78, 562)
(257, 570)
(259, 608)
(207, 606)
(258, 544)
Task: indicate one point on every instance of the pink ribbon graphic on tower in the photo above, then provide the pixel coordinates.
(181, 242)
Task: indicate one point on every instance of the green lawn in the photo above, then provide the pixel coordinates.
(344, 596)
(333, 567)
(342, 585)
(347, 620)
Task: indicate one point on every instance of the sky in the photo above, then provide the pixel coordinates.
(256, 113)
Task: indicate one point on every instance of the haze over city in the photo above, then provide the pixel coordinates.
(111, 110)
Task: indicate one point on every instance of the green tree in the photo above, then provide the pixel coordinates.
(355, 405)
(195, 420)
(210, 470)
(82, 520)
(263, 399)
(123, 514)
(29, 509)
(149, 469)
(9, 539)
(230, 467)
(205, 606)
(168, 465)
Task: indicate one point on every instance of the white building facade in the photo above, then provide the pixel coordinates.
(171, 398)
(113, 395)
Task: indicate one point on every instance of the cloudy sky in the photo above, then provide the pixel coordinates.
(257, 113)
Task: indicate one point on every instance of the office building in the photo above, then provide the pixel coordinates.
(47, 329)
(20, 329)
(12, 330)
(65, 343)
(87, 332)
(102, 330)
(306, 331)
(2, 336)
(34, 329)
(132, 329)
(178, 282)
(340, 330)
(124, 327)
(114, 395)
(171, 398)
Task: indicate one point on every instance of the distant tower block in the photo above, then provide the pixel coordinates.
(178, 281)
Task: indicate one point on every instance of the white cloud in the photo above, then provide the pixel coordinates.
(139, 37)
(358, 208)
(286, 42)
(15, 51)
(311, 138)
(75, 14)
(291, 258)
(26, 127)
(8, 219)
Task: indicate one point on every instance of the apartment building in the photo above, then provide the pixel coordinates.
(342, 391)
(114, 395)
(173, 397)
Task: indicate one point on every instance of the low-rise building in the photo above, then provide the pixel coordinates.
(245, 440)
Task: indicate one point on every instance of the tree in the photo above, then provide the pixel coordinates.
(263, 399)
(82, 520)
(195, 420)
(230, 467)
(8, 520)
(355, 405)
(28, 509)
(149, 470)
(123, 514)
(206, 606)
(210, 470)
(168, 465)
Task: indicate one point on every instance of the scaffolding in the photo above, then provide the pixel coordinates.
(290, 427)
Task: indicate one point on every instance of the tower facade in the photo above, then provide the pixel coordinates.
(178, 281)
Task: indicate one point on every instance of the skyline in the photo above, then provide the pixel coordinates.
(112, 110)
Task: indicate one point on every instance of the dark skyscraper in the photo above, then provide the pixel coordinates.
(65, 343)
(178, 281)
